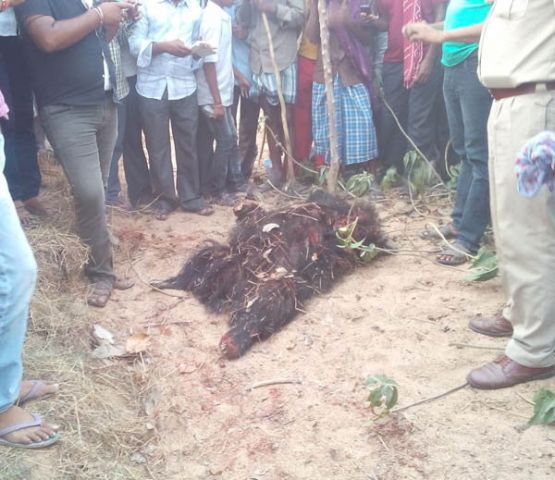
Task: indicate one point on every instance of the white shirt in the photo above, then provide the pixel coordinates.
(8, 23)
(215, 29)
(162, 21)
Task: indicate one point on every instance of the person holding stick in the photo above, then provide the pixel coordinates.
(350, 35)
(274, 27)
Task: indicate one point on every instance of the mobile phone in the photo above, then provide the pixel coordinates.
(365, 8)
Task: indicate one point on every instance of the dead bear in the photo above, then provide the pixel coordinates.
(274, 262)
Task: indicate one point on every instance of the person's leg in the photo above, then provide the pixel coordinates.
(248, 130)
(452, 95)
(475, 102)
(422, 115)
(18, 272)
(393, 144)
(525, 231)
(155, 115)
(113, 187)
(205, 153)
(83, 138)
(135, 165)
(302, 110)
(274, 137)
(184, 124)
(360, 143)
(235, 179)
(22, 170)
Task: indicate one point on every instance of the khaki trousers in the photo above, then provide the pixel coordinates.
(524, 229)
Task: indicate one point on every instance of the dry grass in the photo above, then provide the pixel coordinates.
(99, 406)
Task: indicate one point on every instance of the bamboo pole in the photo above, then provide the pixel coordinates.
(330, 102)
(290, 169)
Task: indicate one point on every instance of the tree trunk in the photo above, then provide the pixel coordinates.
(330, 102)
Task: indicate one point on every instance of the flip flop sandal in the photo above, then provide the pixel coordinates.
(33, 393)
(37, 422)
(453, 257)
(448, 231)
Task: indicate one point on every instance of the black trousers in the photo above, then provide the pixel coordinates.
(182, 116)
(417, 110)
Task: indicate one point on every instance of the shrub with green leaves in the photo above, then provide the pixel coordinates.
(383, 394)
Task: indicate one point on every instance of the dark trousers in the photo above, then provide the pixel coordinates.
(83, 139)
(417, 112)
(222, 169)
(22, 169)
(249, 113)
(182, 115)
(468, 105)
(129, 143)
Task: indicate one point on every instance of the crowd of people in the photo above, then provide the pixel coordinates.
(109, 80)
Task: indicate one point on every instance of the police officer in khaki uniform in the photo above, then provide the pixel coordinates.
(517, 64)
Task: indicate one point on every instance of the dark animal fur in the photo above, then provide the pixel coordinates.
(264, 277)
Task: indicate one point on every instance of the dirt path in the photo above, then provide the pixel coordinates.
(399, 317)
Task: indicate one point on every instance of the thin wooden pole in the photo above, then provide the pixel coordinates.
(335, 162)
(290, 169)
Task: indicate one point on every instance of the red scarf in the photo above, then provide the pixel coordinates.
(413, 51)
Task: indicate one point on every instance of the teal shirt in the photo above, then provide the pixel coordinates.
(462, 13)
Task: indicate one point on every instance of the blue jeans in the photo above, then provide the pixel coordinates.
(22, 169)
(225, 169)
(468, 105)
(18, 272)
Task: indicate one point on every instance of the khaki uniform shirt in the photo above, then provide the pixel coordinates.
(518, 44)
(286, 26)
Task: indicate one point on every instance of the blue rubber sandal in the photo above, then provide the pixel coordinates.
(37, 422)
(33, 394)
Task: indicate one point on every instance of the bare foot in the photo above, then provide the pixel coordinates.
(36, 207)
(36, 389)
(15, 416)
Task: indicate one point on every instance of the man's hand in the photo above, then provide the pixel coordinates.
(425, 70)
(218, 111)
(265, 6)
(423, 32)
(15, 3)
(244, 86)
(175, 47)
(114, 13)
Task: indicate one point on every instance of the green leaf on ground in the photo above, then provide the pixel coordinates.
(484, 267)
(544, 408)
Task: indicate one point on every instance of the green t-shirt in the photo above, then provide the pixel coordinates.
(462, 13)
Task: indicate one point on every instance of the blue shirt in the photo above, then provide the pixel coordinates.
(240, 49)
(462, 13)
(162, 21)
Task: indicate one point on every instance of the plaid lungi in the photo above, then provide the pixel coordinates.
(265, 84)
(356, 133)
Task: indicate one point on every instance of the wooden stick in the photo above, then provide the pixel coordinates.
(428, 400)
(470, 345)
(286, 132)
(274, 382)
(330, 102)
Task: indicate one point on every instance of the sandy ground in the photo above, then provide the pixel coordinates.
(400, 316)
